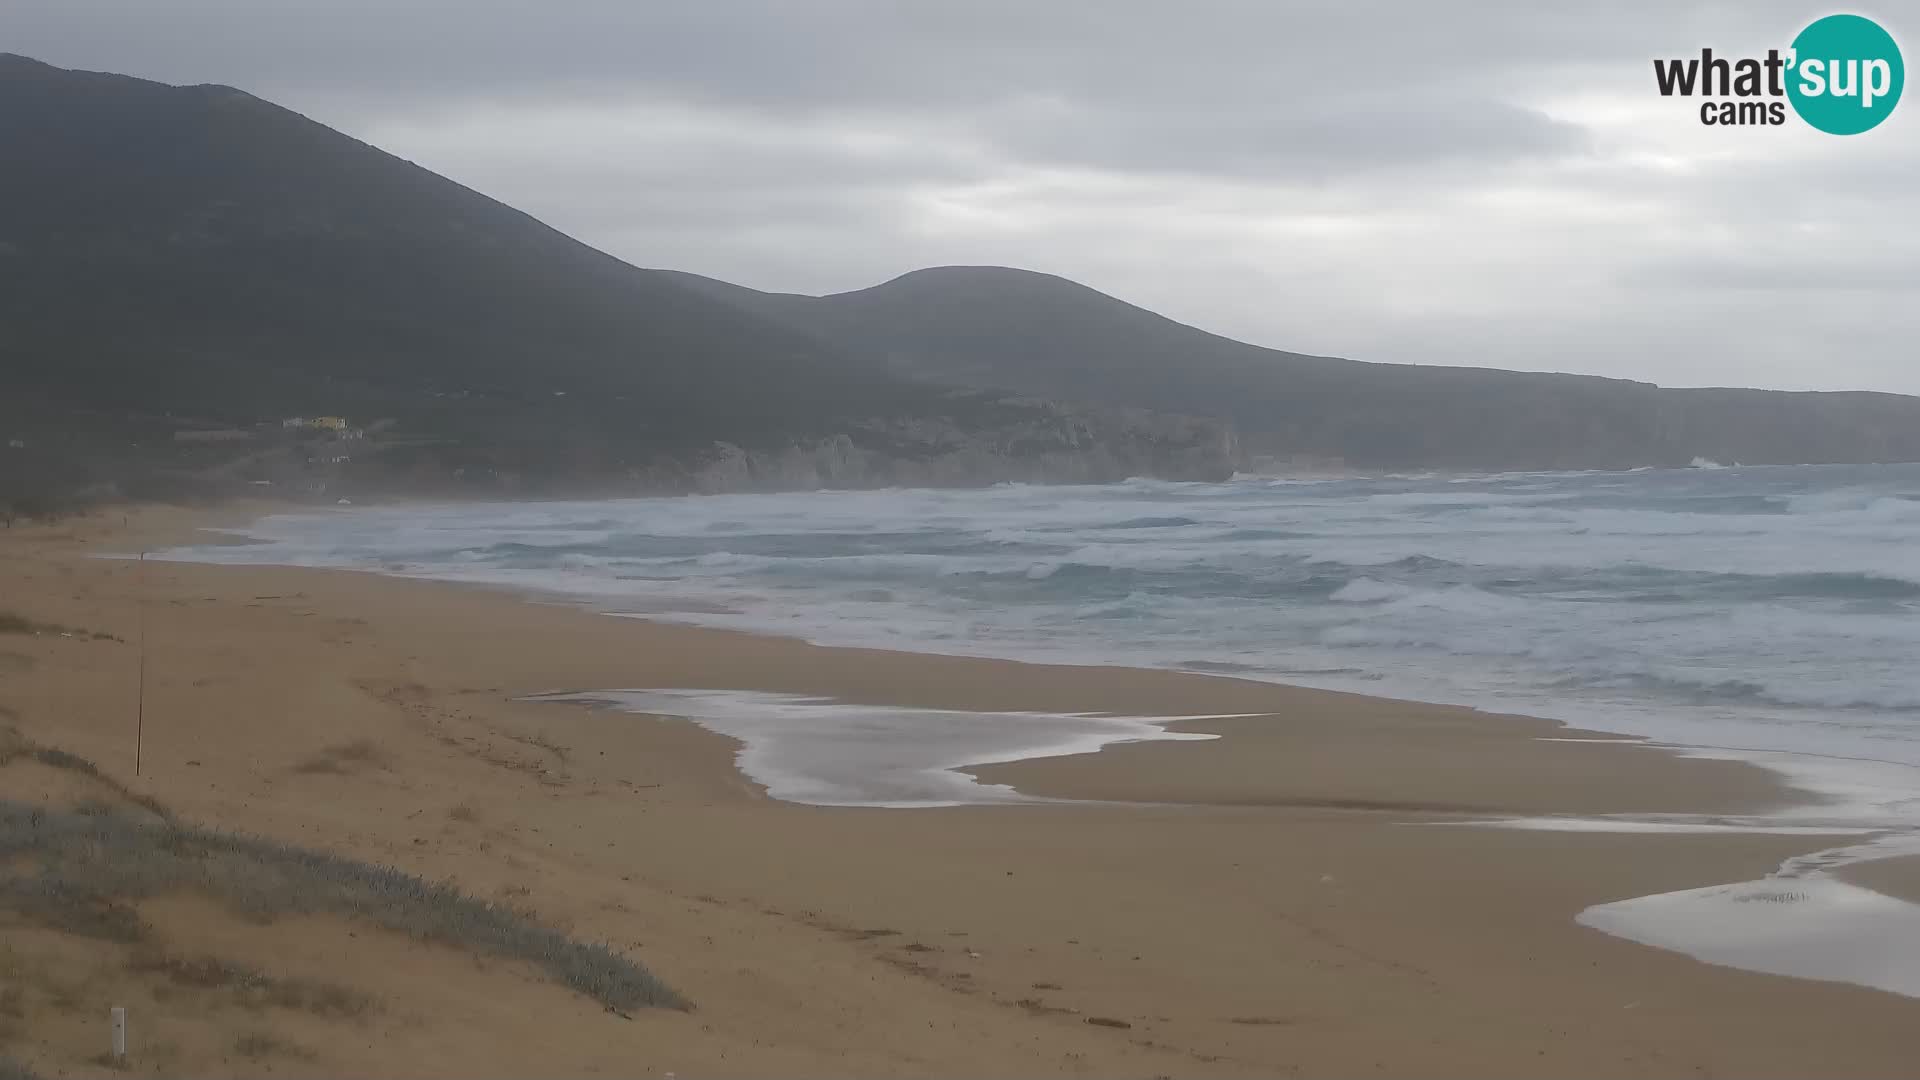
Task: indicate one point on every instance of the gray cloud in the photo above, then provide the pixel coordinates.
(1489, 183)
(1352, 131)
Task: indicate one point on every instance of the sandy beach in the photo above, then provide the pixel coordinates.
(1296, 897)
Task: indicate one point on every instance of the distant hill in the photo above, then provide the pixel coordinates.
(1045, 335)
(182, 268)
(199, 248)
(196, 258)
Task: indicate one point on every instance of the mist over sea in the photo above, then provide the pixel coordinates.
(1771, 608)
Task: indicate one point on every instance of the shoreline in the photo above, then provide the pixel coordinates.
(1781, 801)
(1573, 721)
(1269, 912)
(1053, 776)
(1083, 782)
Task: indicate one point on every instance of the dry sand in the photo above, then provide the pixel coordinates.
(1286, 900)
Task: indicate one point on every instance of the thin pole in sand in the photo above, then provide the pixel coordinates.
(140, 707)
(119, 1016)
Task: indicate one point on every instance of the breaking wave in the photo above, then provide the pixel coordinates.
(1775, 606)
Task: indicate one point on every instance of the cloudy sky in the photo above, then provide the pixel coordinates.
(1485, 182)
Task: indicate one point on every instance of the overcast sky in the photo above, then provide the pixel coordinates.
(1484, 182)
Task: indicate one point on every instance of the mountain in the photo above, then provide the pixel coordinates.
(183, 267)
(1039, 334)
(185, 270)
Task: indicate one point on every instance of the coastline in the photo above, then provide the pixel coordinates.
(1249, 904)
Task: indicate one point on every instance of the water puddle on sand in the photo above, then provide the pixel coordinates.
(830, 753)
(1801, 920)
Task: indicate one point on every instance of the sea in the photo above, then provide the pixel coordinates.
(1769, 614)
(1774, 608)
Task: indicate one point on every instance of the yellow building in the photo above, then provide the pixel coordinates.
(330, 423)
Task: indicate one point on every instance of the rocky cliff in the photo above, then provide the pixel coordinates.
(1060, 446)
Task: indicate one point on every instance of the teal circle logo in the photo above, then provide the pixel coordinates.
(1846, 74)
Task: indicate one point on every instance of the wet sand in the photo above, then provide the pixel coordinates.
(1894, 877)
(1279, 900)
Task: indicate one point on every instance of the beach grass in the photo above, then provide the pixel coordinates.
(343, 759)
(254, 989)
(256, 1045)
(14, 746)
(92, 869)
(12, 622)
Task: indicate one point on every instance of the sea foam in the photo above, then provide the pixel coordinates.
(1774, 607)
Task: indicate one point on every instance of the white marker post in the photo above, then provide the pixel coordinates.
(119, 1034)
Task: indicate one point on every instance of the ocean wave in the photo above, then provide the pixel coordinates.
(588, 564)
(1061, 572)
(1458, 599)
(1419, 499)
(1391, 635)
(1848, 585)
(1755, 599)
(1780, 693)
(733, 560)
(1134, 605)
(1139, 556)
(1366, 590)
(1255, 535)
(1169, 522)
(1843, 505)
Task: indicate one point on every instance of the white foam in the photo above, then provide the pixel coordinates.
(1810, 928)
(830, 753)
(1673, 825)
(1799, 920)
(1366, 590)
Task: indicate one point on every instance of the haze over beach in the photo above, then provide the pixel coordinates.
(743, 539)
